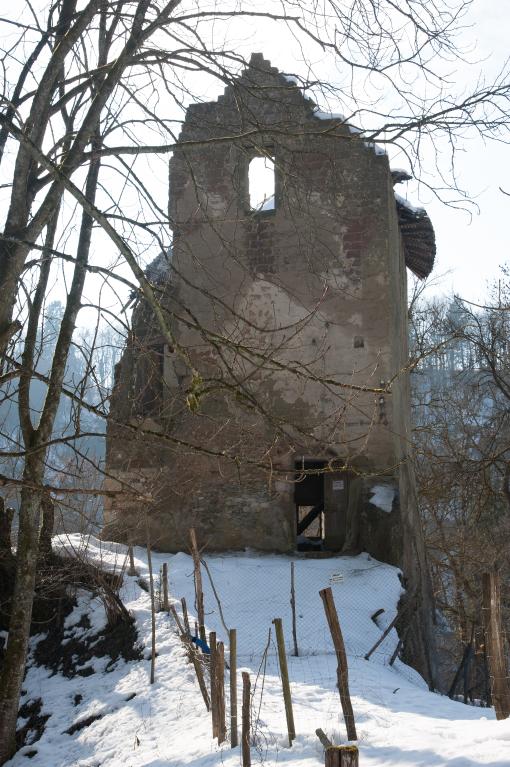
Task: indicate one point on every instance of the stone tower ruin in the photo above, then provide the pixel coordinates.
(271, 410)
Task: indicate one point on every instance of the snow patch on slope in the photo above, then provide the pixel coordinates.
(135, 724)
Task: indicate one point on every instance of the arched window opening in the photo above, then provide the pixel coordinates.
(261, 183)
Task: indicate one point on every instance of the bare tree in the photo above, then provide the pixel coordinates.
(462, 443)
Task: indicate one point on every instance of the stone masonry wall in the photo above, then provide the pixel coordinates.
(281, 313)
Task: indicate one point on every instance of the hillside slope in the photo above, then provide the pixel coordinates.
(112, 715)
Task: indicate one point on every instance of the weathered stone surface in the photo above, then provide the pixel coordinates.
(275, 310)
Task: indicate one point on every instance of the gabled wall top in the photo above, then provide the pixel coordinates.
(263, 103)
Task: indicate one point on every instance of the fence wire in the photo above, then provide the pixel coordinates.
(247, 592)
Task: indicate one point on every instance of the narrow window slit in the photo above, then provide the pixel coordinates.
(261, 183)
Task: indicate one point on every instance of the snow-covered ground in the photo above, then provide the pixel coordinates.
(400, 723)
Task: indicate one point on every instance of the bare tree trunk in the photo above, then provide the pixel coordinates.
(419, 649)
(351, 545)
(496, 655)
(6, 515)
(13, 254)
(48, 521)
(13, 667)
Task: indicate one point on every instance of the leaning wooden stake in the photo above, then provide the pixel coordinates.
(383, 636)
(293, 607)
(491, 613)
(285, 679)
(198, 584)
(232, 638)
(212, 670)
(342, 670)
(341, 756)
(402, 610)
(400, 644)
(200, 678)
(220, 691)
(193, 656)
(176, 618)
(164, 577)
(245, 717)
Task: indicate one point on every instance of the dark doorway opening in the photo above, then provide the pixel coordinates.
(309, 500)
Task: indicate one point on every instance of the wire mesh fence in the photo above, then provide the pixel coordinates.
(247, 592)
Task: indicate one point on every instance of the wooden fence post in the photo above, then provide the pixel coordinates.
(198, 584)
(212, 671)
(245, 719)
(342, 670)
(200, 677)
(185, 616)
(341, 756)
(285, 679)
(220, 691)
(491, 613)
(165, 586)
(232, 638)
(293, 608)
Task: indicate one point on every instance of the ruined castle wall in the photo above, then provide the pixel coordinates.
(281, 312)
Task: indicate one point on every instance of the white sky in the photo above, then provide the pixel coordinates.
(470, 247)
(471, 244)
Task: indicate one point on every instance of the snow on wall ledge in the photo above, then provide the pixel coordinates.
(383, 496)
(321, 115)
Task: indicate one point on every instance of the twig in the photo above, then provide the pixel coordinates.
(263, 663)
(215, 595)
